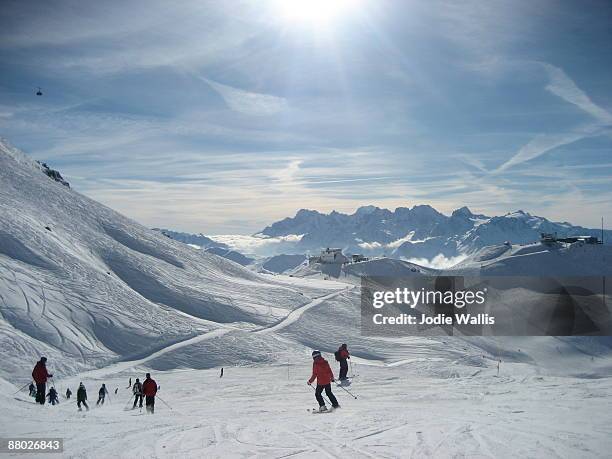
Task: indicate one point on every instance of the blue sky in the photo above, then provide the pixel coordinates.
(224, 116)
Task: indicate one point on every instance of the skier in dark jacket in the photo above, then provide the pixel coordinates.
(101, 395)
(149, 389)
(342, 354)
(32, 389)
(40, 376)
(68, 393)
(82, 397)
(52, 396)
(137, 391)
(322, 372)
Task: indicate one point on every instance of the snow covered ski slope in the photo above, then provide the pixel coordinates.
(106, 299)
(401, 412)
(87, 286)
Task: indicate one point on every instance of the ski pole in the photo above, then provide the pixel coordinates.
(346, 390)
(128, 402)
(162, 400)
(22, 388)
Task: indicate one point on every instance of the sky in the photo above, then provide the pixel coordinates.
(222, 117)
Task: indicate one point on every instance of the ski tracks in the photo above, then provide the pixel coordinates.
(294, 315)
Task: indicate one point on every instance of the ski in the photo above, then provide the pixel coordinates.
(316, 411)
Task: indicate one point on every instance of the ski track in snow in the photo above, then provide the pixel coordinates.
(258, 412)
(294, 315)
(126, 365)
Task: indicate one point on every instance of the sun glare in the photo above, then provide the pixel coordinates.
(314, 11)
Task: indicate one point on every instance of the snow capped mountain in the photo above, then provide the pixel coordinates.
(420, 232)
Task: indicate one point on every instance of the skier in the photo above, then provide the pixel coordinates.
(101, 395)
(342, 354)
(68, 393)
(149, 389)
(130, 383)
(40, 376)
(116, 390)
(221, 375)
(322, 372)
(82, 397)
(32, 389)
(52, 395)
(137, 391)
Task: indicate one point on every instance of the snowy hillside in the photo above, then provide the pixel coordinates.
(85, 285)
(538, 259)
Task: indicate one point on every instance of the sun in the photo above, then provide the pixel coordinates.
(316, 12)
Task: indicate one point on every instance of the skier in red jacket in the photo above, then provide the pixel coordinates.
(40, 376)
(342, 354)
(149, 389)
(322, 372)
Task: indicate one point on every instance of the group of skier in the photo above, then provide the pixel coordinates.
(40, 375)
(147, 390)
(322, 372)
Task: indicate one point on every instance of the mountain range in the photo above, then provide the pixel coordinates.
(417, 232)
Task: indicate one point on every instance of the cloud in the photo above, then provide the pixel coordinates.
(246, 102)
(540, 145)
(564, 87)
(438, 262)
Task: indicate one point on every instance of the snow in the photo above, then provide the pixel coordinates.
(96, 287)
(577, 259)
(400, 411)
(106, 299)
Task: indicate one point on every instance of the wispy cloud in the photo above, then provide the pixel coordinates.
(564, 87)
(542, 144)
(248, 102)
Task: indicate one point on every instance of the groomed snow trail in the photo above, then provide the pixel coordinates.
(261, 412)
(294, 315)
(129, 364)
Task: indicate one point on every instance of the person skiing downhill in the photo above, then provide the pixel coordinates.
(52, 396)
(342, 354)
(32, 389)
(101, 395)
(40, 376)
(149, 389)
(82, 397)
(322, 372)
(68, 393)
(137, 391)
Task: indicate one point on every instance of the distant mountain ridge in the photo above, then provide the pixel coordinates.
(194, 239)
(417, 232)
